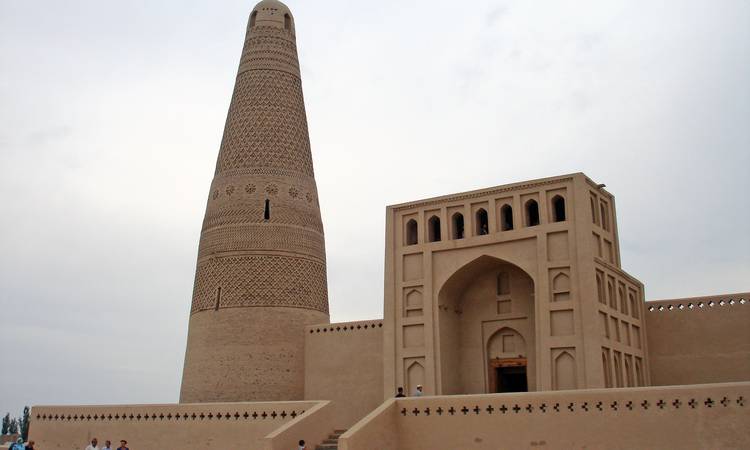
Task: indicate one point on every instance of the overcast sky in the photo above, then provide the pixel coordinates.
(111, 115)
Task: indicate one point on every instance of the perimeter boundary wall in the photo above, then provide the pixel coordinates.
(713, 416)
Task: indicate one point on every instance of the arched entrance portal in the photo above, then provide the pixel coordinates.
(507, 362)
(486, 329)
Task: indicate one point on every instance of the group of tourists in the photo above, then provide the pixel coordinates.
(107, 445)
(417, 393)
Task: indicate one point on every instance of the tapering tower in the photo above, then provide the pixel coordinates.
(261, 271)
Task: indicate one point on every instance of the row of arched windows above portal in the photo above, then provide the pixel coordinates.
(481, 221)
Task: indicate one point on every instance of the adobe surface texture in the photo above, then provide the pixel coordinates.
(261, 271)
(508, 319)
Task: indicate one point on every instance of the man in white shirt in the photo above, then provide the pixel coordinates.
(93, 445)
(107, 446)
(418, 392)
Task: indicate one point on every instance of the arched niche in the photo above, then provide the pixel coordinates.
(564, 371)
(506, 343)
(561, 282)
(414, 299)
(414, 376)
(481, 222)
(532, 213)
(606, 369)
(561, 287)
(506, 218)
(433, 229)
(558, 209)
(457, 228)
(471, 327)
(411, 234)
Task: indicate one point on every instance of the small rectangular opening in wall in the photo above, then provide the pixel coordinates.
(503, 307)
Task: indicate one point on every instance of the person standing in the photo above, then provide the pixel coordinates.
(123, 445)
(30, 446)
(400, 393)
(302, 445)
(93, 445)
(418, 392)
(107, 446)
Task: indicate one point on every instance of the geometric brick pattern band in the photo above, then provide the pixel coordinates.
(247, 237)
(262, 246)
(270, 131)
(260, 280)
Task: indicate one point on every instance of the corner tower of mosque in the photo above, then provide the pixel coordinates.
(261, 270)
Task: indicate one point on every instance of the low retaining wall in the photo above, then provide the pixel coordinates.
(696, 417)
(314, 427)
(158, 427)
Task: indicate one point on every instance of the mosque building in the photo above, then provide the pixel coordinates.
(508, 306)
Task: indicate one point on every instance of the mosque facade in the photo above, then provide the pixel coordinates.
(508, 306)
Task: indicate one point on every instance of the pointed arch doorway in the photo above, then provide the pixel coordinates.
(486, 329)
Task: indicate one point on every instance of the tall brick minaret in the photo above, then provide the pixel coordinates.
(261, 271)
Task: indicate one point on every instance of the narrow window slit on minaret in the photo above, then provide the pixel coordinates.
(218, 298)
(267, 211)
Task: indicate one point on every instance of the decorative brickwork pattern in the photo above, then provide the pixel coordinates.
(603, 406)
(266, 126)
(261, 280)
(248, 415)
(262, 247)
(237, 238)
(270, 48)
(340, 327)
(282, 214)
(690, 305)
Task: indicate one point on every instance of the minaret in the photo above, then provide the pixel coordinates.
(261, 271)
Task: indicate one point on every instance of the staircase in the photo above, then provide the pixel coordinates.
(332, 443)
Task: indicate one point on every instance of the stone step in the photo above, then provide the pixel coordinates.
(332, 443)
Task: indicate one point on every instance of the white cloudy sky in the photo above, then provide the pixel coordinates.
(111, 114)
